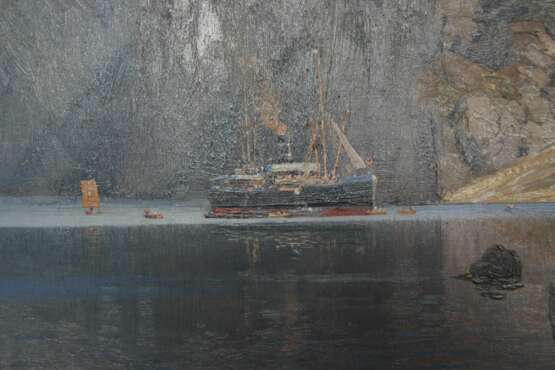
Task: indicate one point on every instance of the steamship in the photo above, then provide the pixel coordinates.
(311, 187)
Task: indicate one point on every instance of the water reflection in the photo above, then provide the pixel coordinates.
(287, 297)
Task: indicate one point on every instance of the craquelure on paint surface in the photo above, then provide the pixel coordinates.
(145, 96)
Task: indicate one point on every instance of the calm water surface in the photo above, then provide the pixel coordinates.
(316, 297)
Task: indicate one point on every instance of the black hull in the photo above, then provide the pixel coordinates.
(352, 191)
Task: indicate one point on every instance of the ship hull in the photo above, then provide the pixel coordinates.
(243, 212)
(349, 192)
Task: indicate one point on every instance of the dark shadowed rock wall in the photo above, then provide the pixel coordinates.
(145, 96)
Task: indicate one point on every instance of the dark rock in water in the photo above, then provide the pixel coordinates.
(498, 269)
(496, 263)
(478, 281)
(512, 286)
(493, 295)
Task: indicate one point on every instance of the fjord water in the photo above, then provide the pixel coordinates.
(351, 296)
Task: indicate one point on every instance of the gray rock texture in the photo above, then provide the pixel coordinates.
(493, 84)
(145, 96)
(497, 262)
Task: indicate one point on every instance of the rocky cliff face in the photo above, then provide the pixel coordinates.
(145, 96)
(494, 83)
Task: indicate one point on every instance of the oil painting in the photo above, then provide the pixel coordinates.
(277, 184)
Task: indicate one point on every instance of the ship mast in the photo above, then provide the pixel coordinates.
(324, 121)
(248, 129)
(322, 115)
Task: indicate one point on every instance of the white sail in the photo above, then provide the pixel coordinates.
(355, 159)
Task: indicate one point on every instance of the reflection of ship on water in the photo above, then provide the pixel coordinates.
(267, 189)
(252, 250)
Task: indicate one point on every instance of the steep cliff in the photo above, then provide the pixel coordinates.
(146, 96)
(494, 83)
